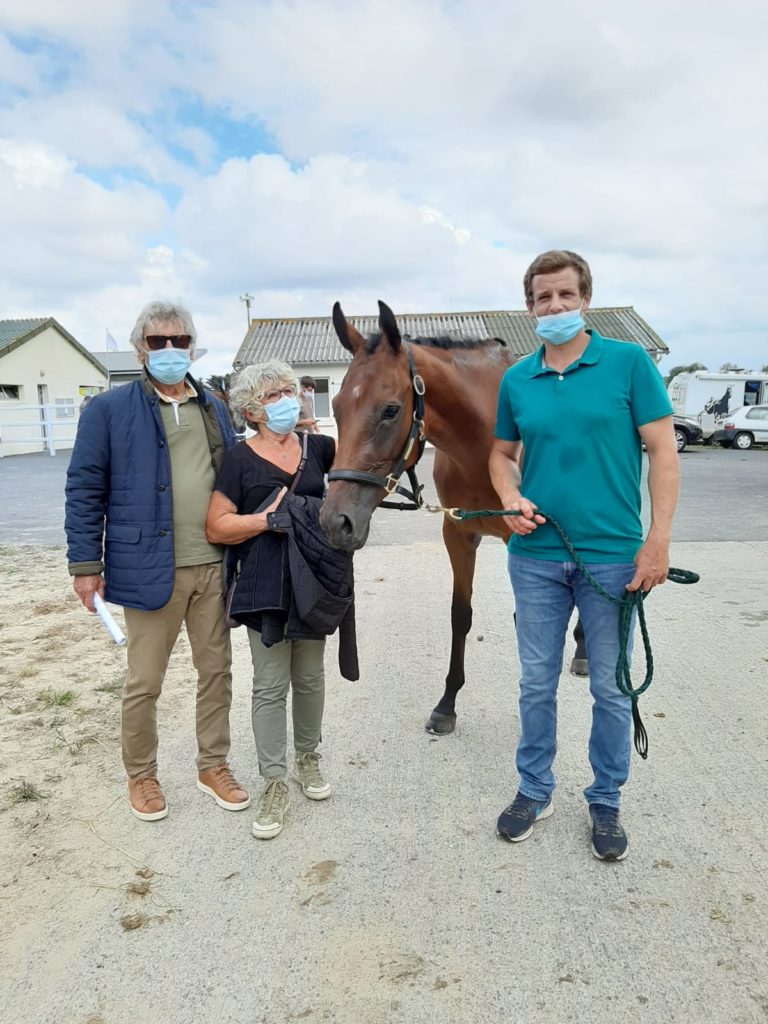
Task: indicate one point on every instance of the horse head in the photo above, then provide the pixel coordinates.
(374, 414)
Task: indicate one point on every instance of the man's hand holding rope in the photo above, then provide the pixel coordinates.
(652, 561)
(527, 521)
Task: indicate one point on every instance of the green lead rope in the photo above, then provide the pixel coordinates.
(631, 601)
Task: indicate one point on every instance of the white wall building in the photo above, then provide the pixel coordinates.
(44, 375)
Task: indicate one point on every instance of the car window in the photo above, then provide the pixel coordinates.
(759, 412)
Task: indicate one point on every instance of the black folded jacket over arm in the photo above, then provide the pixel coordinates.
(295, 586)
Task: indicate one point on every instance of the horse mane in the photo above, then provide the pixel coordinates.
(442, 341)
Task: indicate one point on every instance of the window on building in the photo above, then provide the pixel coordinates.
(322, 398)
(65, 408)
(89, 389)
(10, 392)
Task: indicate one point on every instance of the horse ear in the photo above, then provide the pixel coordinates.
(388, 326)
(349, 336)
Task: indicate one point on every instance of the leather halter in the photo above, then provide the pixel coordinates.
(415, 439)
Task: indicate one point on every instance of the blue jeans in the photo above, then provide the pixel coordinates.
(545, 594)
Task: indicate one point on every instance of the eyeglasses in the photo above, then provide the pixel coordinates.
(272, 396)
(155, 342)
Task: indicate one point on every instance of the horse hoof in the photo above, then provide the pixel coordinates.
(579, 667)
(439, 724)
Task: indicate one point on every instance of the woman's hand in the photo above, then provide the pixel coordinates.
(225, 525)
(271, 508)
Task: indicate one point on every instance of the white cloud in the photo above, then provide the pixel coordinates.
(34, 166)
(429, 150)
(64, 233)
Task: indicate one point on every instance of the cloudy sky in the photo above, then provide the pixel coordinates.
(417, 151)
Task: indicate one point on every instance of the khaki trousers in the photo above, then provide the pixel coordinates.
(297, 664)
(197, 600)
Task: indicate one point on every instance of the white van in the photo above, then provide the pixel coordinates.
(710, 397)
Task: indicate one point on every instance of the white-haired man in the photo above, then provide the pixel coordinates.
(138, 486)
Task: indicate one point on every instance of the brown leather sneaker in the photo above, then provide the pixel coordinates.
(146, 798)
(220, 783)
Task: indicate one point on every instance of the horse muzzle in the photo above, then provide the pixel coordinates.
(345, 523)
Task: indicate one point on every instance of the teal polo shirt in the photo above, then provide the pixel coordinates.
(582, 453)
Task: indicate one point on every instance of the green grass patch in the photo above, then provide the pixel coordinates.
(56, 698)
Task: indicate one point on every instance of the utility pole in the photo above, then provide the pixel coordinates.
(247, 299)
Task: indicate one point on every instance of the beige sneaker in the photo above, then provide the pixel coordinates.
(146, 798)
(306, 771)
(273, 804)
(220, 783)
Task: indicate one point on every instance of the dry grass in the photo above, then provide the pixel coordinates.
(26, 792)
(113, 686)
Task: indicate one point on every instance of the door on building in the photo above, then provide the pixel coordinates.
(322, 398)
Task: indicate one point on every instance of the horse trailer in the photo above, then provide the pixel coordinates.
(710, 397)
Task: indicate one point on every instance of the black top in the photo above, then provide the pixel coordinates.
(247, 479)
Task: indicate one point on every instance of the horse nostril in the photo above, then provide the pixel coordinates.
(345, 527)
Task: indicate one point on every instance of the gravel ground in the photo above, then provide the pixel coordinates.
(394, 901)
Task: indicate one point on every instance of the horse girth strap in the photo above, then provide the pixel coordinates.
(415, 439)
(630, 602)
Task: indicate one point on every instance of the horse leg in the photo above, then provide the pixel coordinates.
(579, 665)
(462, 551)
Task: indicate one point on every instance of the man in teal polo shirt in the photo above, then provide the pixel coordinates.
(580, 407)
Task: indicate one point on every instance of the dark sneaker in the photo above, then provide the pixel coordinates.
(516, 821)
(609, 840)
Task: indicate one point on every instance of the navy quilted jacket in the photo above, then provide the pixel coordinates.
(119, 511)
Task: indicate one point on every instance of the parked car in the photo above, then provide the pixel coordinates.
(743, 428)
(687, 431)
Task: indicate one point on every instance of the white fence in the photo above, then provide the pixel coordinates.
(25, 429)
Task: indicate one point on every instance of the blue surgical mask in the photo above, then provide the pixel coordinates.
(169, 365)
(560, 328)
(282, 415)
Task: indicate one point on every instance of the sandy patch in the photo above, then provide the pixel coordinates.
(61, 680)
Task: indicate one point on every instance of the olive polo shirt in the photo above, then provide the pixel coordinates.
(192, 479)
(582, 451)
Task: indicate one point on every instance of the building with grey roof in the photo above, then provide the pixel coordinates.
(44, 375)
(311, 347)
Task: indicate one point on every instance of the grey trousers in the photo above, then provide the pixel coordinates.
(297, 664)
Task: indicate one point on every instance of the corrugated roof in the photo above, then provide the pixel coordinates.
(12, 330)
(310, 340)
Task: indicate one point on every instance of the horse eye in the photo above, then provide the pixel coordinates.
(389, 412)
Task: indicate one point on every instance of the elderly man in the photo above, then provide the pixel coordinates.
(580, 406)
(138, 487)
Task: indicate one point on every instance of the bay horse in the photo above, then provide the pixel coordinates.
(377, 410)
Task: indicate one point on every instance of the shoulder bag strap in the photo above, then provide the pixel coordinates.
(302, 463)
